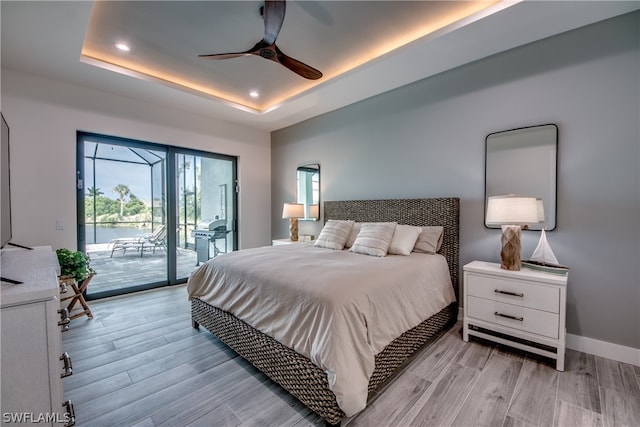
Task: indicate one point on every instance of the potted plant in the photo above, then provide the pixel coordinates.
(74, 264)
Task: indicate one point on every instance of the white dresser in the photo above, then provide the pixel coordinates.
(524, 309)
(32, 361)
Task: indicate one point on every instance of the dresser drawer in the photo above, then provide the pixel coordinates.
(523, 318)
(513, 292)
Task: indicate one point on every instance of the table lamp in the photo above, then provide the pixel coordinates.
(512, 212)
(293, 211)
(314, 212)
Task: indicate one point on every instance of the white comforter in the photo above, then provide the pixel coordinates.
(337, 308)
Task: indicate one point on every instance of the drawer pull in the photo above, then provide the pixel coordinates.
(509, 316)
(68, 368)
(69, 415)
(64, 319)
(513, 294)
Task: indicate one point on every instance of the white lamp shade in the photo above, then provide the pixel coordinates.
(512, 210)
(314, 211)
(293, 210)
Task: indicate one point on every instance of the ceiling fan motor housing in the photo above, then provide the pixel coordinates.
(267, 53)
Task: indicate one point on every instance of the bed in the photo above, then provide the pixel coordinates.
(295, 370)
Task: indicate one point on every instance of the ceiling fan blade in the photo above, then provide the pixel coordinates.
(298, 67)
(273, 19)
(255, 50)
(225, 55)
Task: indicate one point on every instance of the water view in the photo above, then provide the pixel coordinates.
(102, 234)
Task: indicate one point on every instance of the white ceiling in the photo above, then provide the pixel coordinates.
(166, 38)
(47, 39)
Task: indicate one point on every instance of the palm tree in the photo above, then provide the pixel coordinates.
(94, 192)
(123, 191)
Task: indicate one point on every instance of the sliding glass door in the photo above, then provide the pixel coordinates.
(149, 214)
(205, 207)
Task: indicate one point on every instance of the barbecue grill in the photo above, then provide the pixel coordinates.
(207, 232)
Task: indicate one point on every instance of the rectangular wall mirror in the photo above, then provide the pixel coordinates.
(308, 185)
(523, 161)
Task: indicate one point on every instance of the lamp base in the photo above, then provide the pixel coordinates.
(511, 245)
(293, 229)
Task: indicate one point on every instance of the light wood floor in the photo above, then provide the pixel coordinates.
(139, 362)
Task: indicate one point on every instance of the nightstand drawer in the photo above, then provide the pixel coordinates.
(513, 292)
(516, 317)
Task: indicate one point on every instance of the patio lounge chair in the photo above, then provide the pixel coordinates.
(151, 241)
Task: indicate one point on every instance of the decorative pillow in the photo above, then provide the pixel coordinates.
(404, 239)
(430, 240)
(374, 238)
(352, 236)
(334, 234)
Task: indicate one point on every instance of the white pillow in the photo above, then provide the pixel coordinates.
(404, 239)
(352, 236)
(334, 234)
(430, 240)
(374, 238)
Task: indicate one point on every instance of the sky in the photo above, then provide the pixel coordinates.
(110, 174)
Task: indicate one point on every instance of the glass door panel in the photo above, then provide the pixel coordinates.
(205, 207)
(125, 210)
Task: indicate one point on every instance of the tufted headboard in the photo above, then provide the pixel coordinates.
(443, 211)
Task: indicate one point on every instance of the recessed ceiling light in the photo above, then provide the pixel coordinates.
(122, 46)
(254, 94)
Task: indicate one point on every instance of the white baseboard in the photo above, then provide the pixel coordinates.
(609, 350)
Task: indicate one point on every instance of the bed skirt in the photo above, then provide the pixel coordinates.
(296, 373)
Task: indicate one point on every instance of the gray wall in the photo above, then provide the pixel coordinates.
(427, 139)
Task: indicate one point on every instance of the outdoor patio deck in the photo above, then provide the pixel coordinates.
(129, 269)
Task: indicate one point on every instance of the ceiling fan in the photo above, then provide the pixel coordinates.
(273, 15)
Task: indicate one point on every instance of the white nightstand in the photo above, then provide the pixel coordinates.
(301, 238)
(277, 242)
(524, 309)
